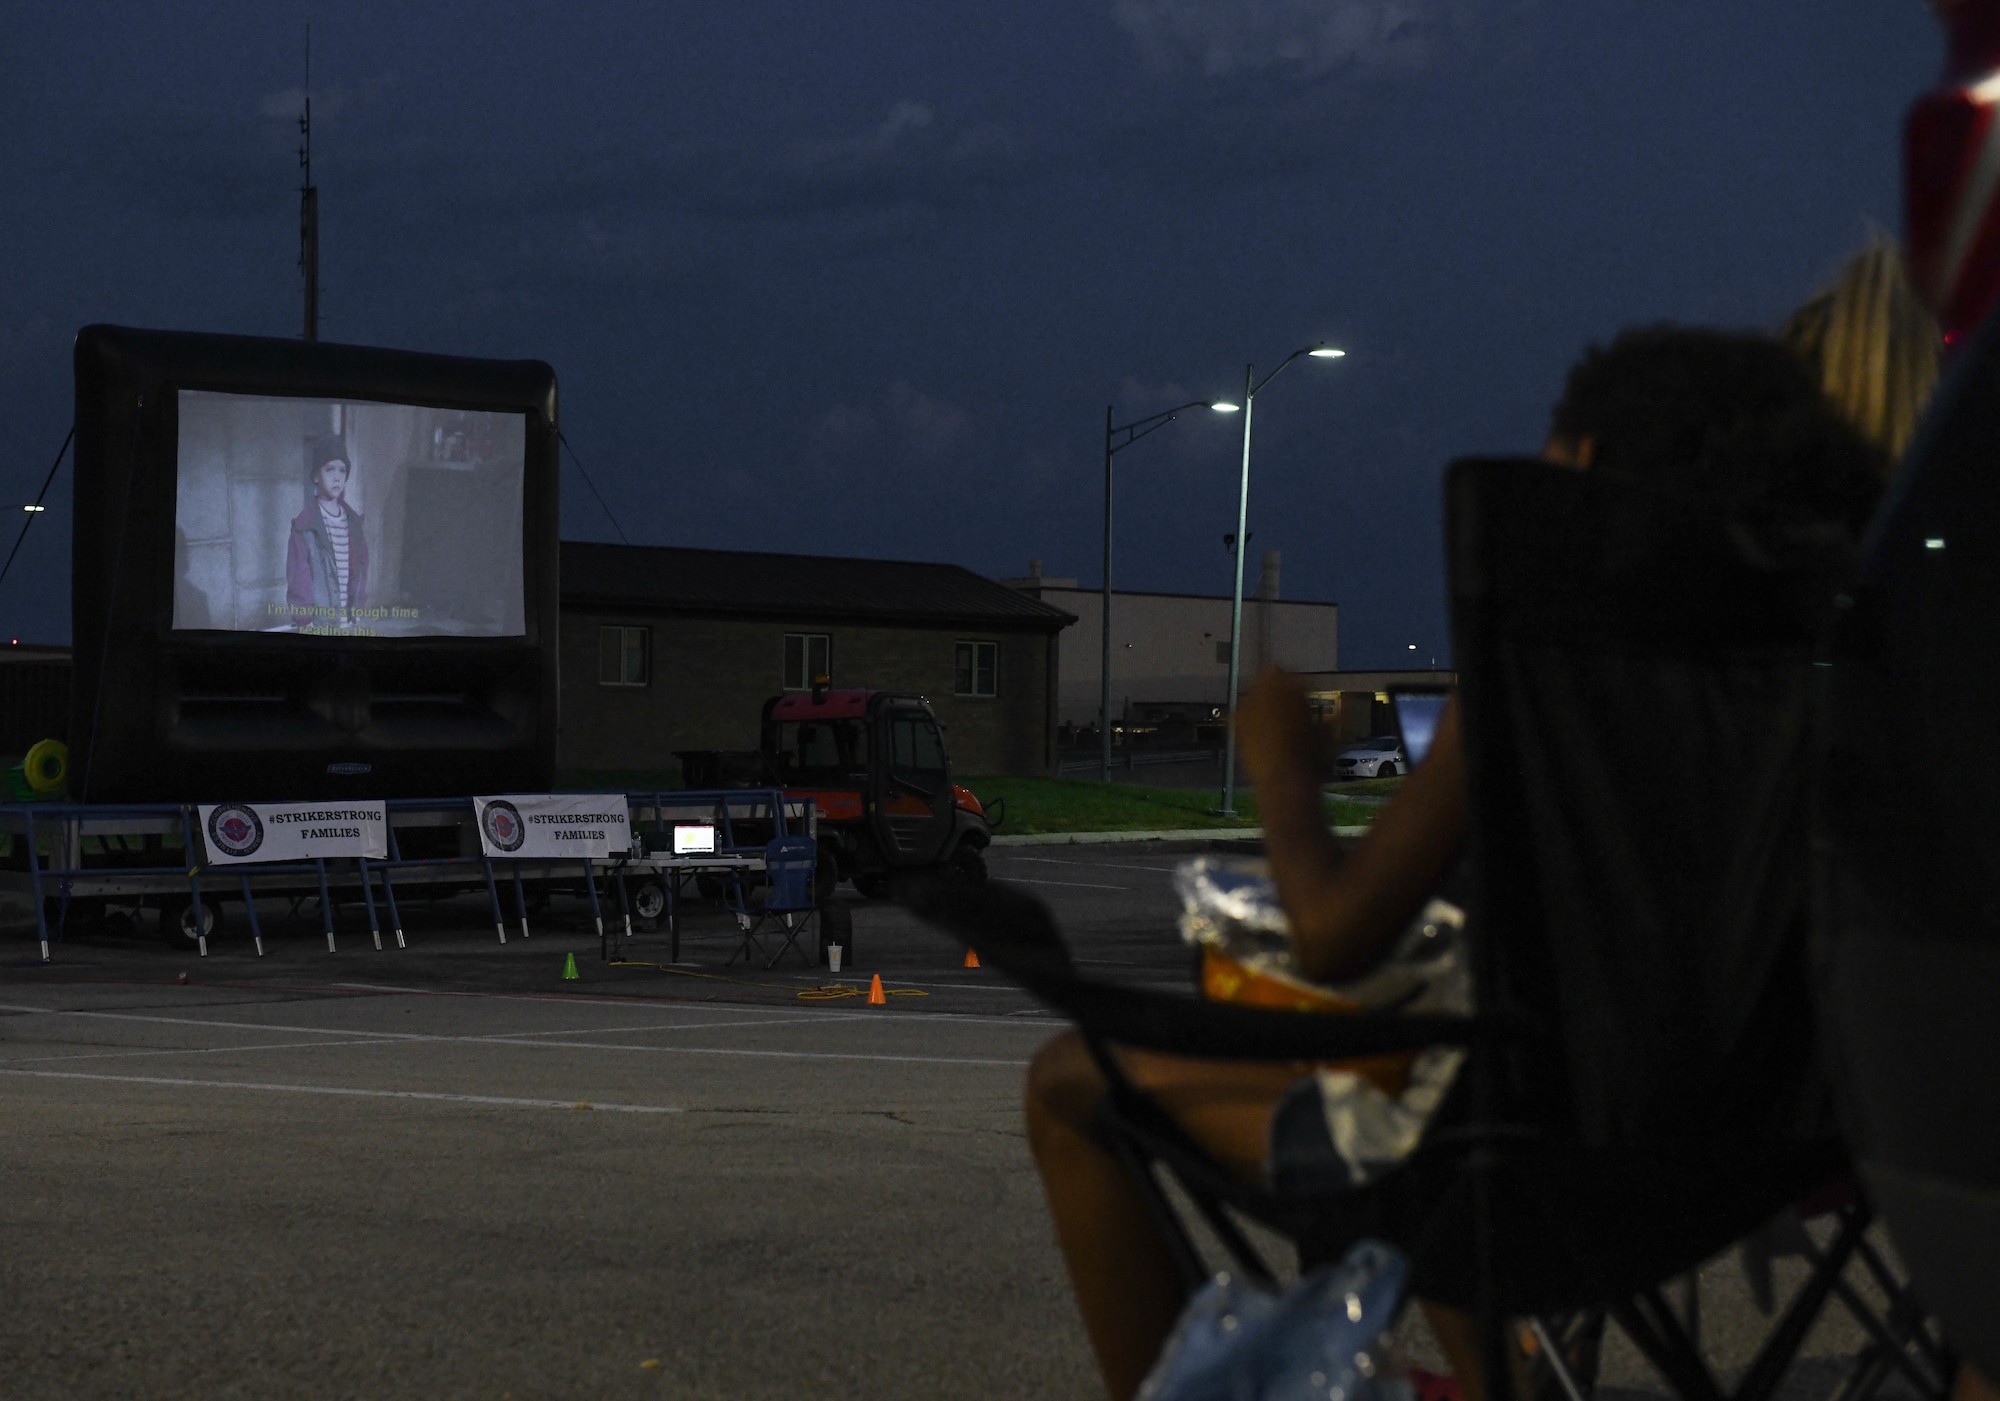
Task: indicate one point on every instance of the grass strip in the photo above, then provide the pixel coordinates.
(1037, 805)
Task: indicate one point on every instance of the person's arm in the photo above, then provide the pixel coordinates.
(298, 573)
(357, 562)
(1347, 906)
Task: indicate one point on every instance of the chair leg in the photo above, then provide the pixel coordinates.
(1776, 1356)
(1188, 1263)
(1906, 1312)
(1557, 1360)
(792, 934)
(748, 927)
(1233, 1240)
(1895, 1348)
(1652, 1327)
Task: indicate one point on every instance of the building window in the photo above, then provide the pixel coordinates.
(808, 656)
(624, 656)
(976, 671)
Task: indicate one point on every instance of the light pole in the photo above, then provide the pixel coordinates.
(1133, 431)
(1252, 387)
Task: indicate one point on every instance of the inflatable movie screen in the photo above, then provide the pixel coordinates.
(347, 520)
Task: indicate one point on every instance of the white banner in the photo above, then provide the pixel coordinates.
(542, 825)
(247, 832)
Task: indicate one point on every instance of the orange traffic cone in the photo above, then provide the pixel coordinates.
(875, 997)
(971, 959)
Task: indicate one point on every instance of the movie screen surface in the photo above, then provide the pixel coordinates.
(340, 519)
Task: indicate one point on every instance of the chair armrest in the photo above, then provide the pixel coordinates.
(1015, 934)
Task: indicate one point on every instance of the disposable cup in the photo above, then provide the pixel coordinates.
(833, 958)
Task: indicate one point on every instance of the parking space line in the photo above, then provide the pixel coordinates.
(1094, 865)
(740, 1051)
(801, 1019)
(1073, 884)
(505, 1101)
(398, 1037)
(608, 1000)
(195, 1050)
(232, 1026)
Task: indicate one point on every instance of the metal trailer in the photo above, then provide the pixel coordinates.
(57, 855)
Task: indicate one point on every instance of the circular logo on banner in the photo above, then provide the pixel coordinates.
(235, 830)
(504, 827)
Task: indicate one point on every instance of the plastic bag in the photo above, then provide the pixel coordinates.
(1231, 905)
(1324, 1338)
(1426, 974)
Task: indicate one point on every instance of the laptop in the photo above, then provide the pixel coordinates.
(1418, 711)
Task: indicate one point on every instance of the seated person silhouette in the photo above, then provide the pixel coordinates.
(1732, 415)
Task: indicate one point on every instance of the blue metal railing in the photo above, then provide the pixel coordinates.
(67, 825)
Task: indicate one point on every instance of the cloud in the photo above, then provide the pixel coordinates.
(1302, 40)
(928, 427)
(912, 157)
(919, 428)
(328, 102)
(291, 102)
(903, 117)
(485, 210)
(845, 422)
(1137, 399)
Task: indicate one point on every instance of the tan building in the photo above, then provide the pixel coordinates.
(1356, 703)
(1170, 651)
(677, 649)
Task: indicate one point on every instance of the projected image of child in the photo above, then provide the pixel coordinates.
(326, 561)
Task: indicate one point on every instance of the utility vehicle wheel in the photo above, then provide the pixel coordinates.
(649, 901)
(1385, 769)
(177, 922)
(874, 887)
(826, 877)
(967, 864)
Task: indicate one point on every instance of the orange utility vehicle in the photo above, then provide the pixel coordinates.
(874, 763)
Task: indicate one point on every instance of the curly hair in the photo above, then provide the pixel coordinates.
(1731, 414)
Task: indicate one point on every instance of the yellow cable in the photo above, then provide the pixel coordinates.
(832, 992)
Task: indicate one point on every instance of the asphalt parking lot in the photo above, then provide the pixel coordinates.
(445, 1171)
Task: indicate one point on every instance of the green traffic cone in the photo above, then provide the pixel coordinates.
(569, 969)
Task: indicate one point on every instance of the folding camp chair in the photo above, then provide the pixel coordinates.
(1641, 1088)
(1910, 852)
(789, 863)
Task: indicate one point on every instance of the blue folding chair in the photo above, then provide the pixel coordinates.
(789, 863)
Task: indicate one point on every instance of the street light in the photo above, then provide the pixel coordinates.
(1252, 386)
(1133, 431)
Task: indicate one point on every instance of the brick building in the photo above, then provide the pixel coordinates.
(668, 649)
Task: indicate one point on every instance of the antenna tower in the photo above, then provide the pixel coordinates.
(309, 204)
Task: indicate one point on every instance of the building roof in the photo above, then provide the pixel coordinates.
(749, 584)
(1250, 595)
(1327, 682)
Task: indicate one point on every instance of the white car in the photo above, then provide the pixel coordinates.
(1379, 757)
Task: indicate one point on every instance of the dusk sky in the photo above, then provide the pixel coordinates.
(860, 279)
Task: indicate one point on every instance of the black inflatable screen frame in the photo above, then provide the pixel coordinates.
(160, 715)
